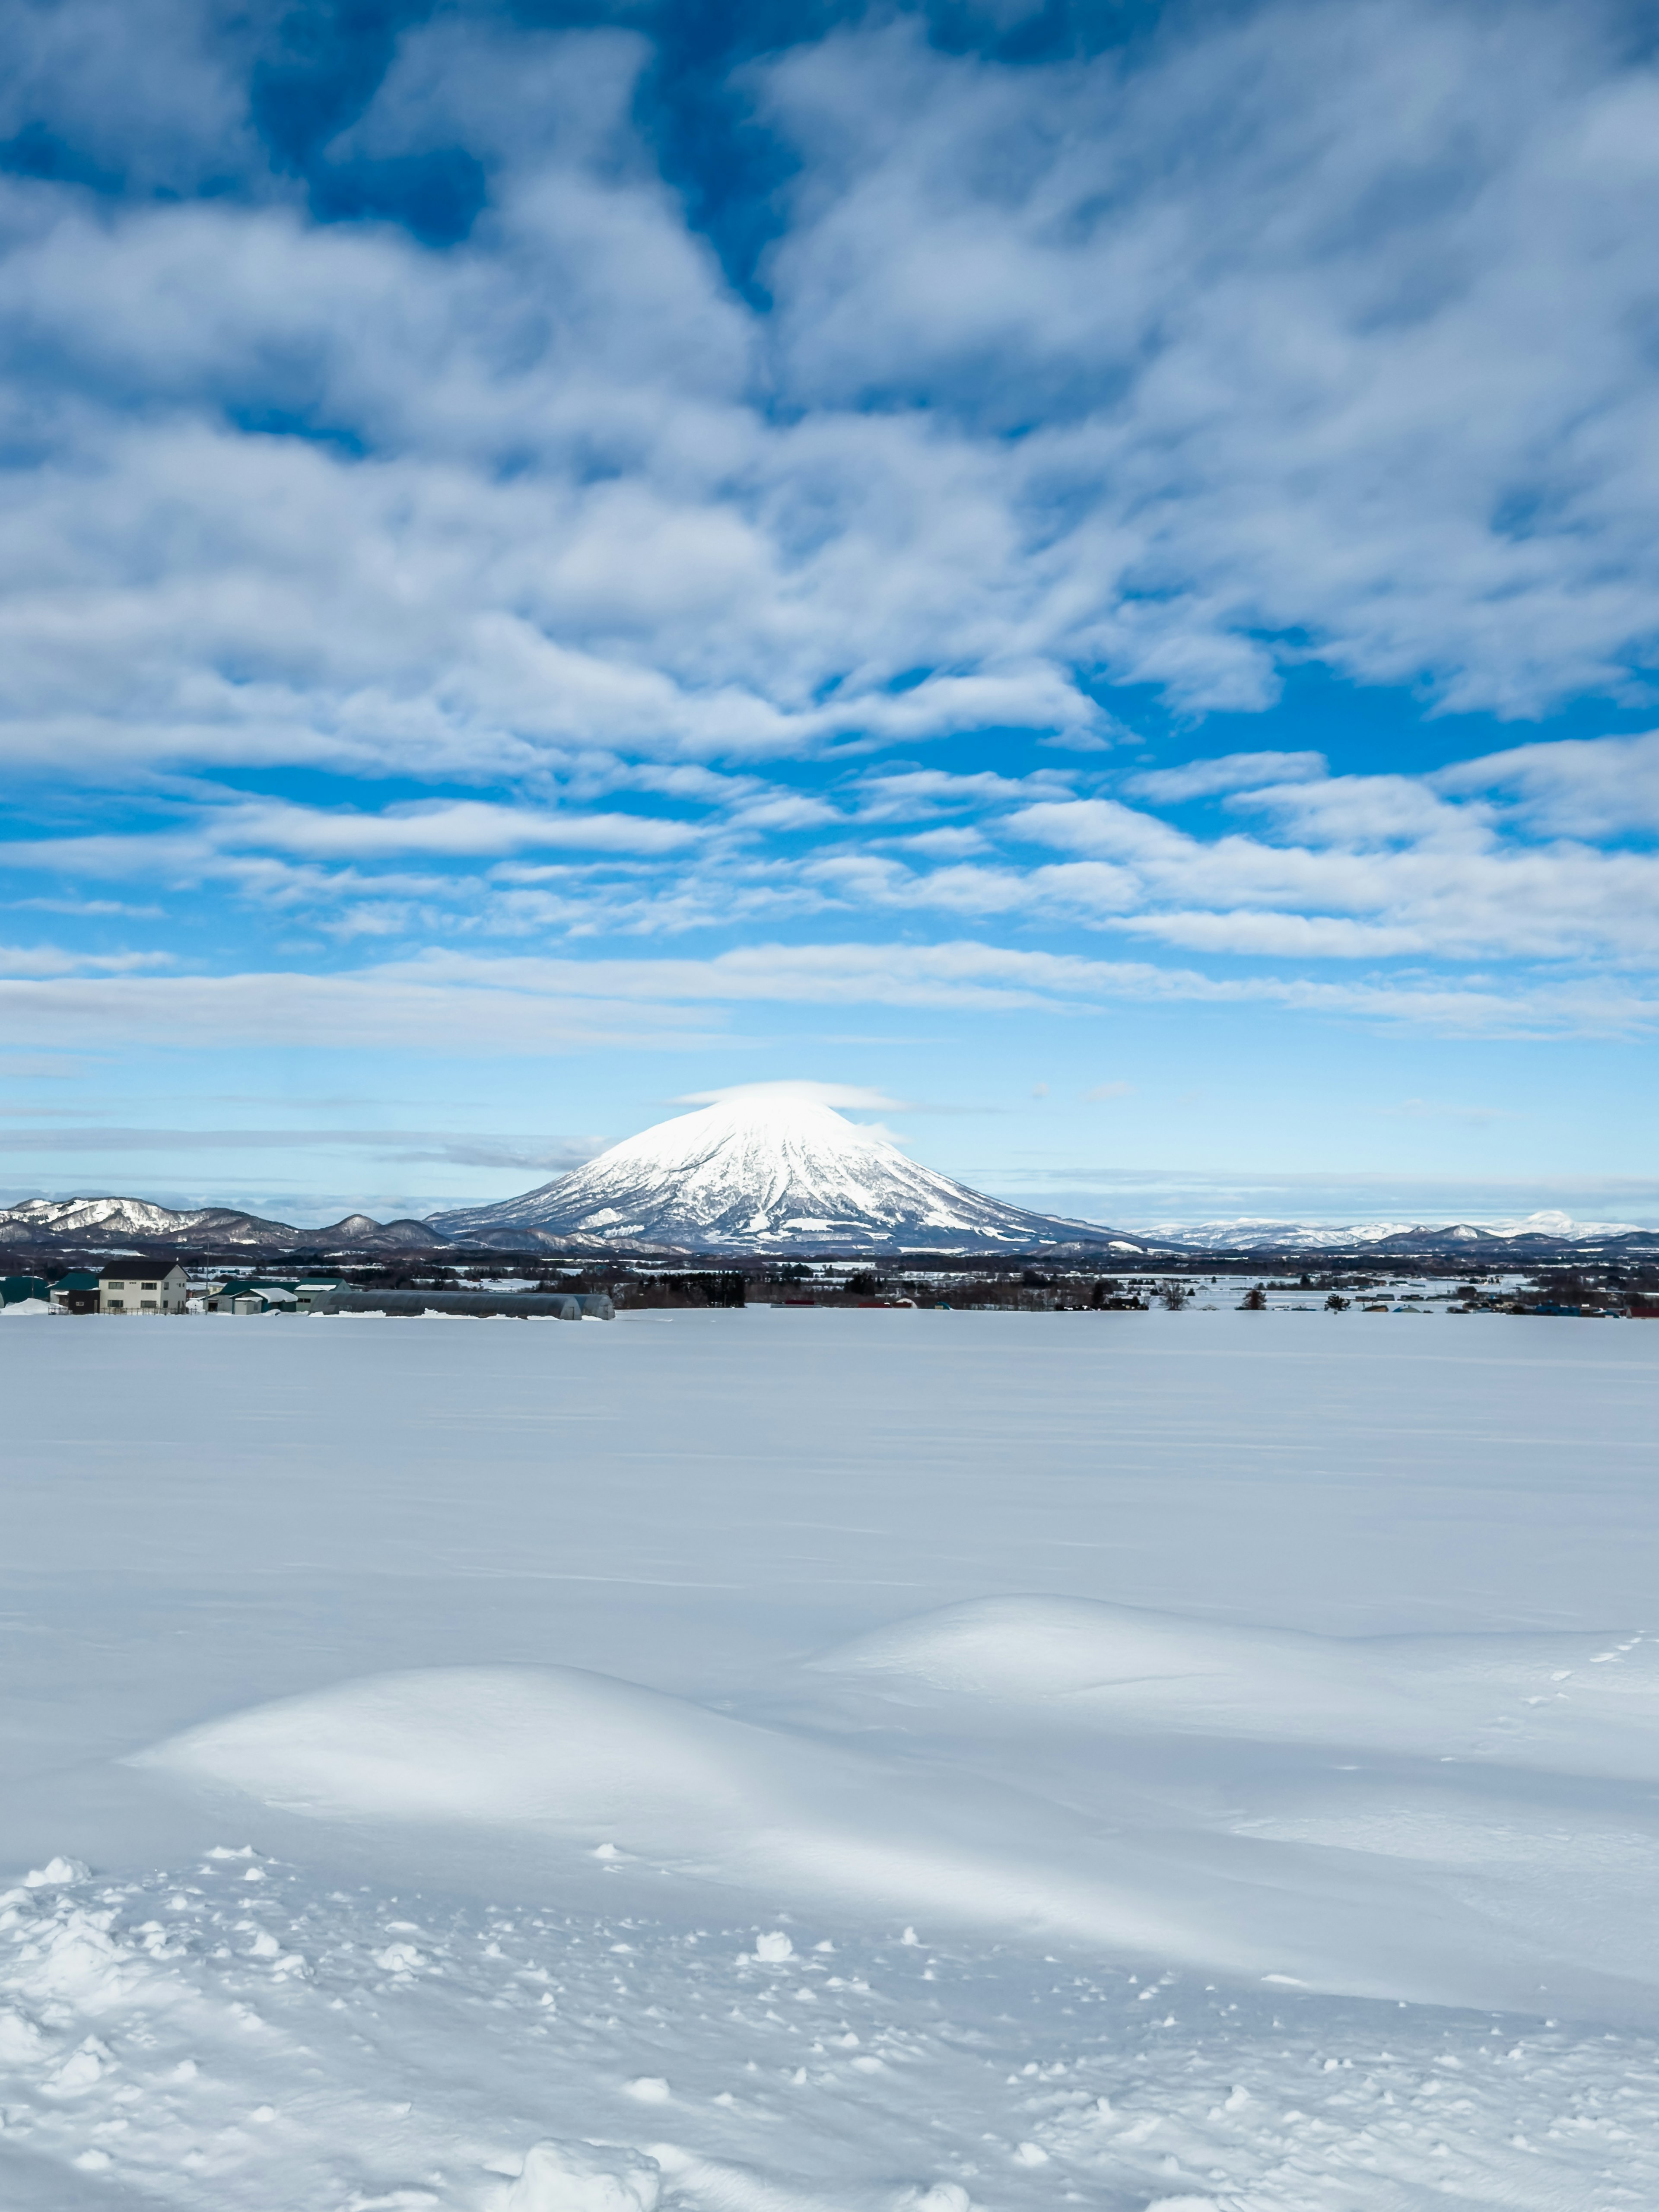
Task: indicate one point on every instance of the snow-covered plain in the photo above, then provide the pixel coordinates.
(797, 1758)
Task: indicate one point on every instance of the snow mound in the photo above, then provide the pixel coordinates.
(582, 2177)
(1025, 1647)
(556, 1747)
(1341, 1870)
(1571, 1703)
(1086, 1662)
(557, 1753)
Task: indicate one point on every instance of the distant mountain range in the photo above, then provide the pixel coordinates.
(98, 1221)
(1534, 1234)
(759, 1174)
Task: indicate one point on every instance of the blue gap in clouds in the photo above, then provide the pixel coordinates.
(1361, 729)
(38, 152)
(258, 422)
(313, 67)
(1054, 30)
(326, 64)
(325, 59)
(732, 174)
(437, 197)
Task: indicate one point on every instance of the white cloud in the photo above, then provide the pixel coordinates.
(456, 1003)
(1599, 787)
(365, 1010)
(556, 1153)
(1201, 779)
(1332, 310)
(462, 828)
(1293, 936)
(918, 794)
(1351, 348)
(1368, 813)
(57, 960)
(1324, 323)
(1347, 868)
(1385, 865)
(946, 844)
(158, 109)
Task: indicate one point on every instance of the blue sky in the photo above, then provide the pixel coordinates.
(1087, 572)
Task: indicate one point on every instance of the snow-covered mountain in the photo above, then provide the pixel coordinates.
(1534, 1231)
(104, 1221)
(768, 1170)
(363, 1229)
(79, 1219)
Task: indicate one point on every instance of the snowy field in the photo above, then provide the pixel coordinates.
(803, 1761)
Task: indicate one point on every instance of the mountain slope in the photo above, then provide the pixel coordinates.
(102, 1221)
(66, 1220)
(768, 1172)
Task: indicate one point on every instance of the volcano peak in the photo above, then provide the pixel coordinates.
(769, 1168)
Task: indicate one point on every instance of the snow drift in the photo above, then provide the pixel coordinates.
(1568, 1703)
(613, 1767)
(1027, 1764)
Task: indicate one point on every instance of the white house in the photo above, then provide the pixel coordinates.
(152, 1286)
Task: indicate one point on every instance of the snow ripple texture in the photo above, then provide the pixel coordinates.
(230, 2036)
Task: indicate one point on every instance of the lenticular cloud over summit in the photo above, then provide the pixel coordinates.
(768, 1165)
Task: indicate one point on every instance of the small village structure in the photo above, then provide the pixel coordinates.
(147, 1287)
(259, 1294)
(240, 1301)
